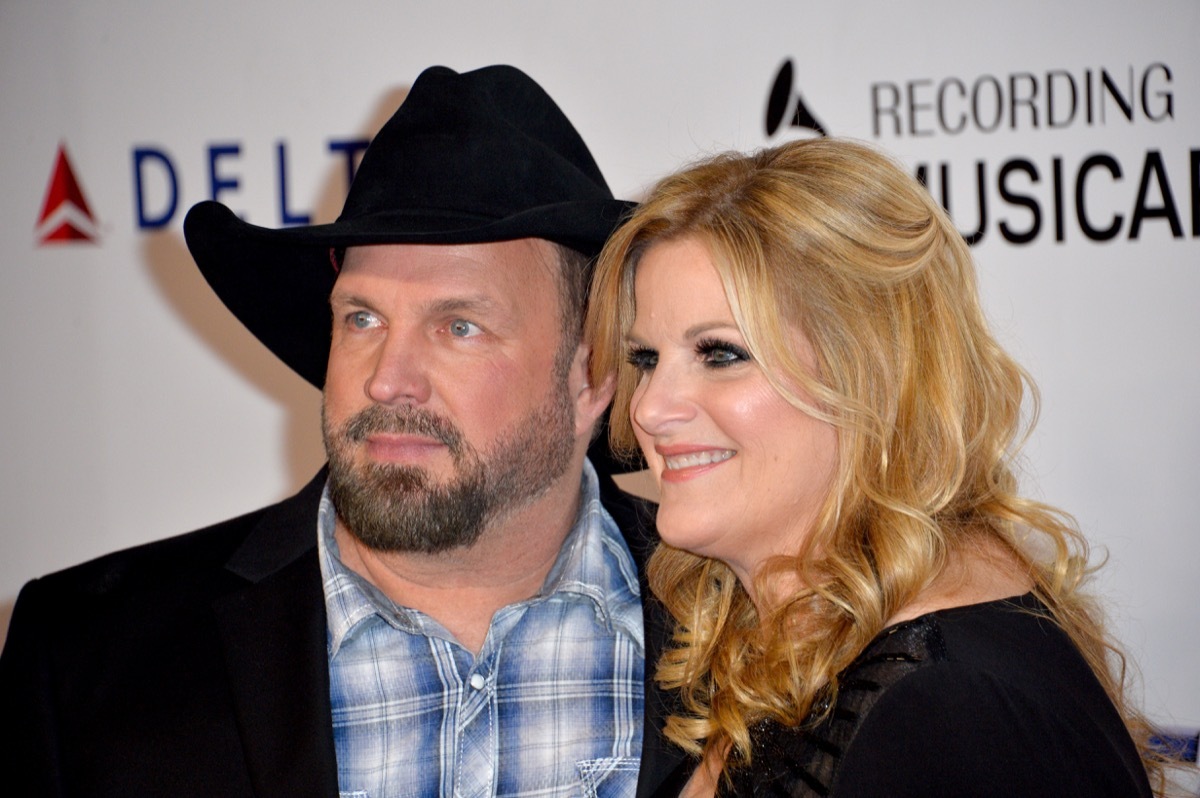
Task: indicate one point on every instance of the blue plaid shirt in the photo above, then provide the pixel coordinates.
(552, 706)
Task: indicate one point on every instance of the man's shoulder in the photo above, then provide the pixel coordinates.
(158, 562)
(176, 561)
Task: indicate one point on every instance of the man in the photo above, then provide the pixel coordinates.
(444, 610)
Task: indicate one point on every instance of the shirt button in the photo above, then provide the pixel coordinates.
(477, 681)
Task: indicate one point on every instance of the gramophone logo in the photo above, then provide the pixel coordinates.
(65, 216)
(783, 104)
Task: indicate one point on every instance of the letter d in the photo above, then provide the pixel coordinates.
(144, 220)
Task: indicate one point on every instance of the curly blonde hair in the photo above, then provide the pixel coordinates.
(833, 238)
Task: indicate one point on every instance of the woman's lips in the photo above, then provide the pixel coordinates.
(685, 462)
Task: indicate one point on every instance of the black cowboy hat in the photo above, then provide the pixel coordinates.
(468, 158)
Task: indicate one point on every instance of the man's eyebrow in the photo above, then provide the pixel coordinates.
(449, 305)
(341, 298)
(467, 303)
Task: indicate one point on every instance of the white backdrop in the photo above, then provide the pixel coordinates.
(134, 406)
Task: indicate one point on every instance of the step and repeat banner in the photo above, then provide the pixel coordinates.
(1064, 137)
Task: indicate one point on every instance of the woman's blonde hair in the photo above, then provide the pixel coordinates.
(832, 238)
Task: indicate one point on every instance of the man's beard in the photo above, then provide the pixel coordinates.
(399, 508)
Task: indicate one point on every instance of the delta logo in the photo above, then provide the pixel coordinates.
(65, 217)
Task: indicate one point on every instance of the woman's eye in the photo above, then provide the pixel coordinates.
(461, 328)
(642, 359)
(719, 354)
(363, 320)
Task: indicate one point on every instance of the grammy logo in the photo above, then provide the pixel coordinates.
(782, 99)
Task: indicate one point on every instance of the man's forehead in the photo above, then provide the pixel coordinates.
(530, 255)
(511, 272)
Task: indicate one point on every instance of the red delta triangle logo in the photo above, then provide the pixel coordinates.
(65, 215)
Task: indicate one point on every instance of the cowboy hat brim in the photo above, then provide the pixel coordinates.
(277, 281)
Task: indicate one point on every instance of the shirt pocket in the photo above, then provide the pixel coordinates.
(610, 777)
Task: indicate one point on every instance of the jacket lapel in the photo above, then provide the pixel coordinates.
(274, 636)
(661, 759)
(635, 517)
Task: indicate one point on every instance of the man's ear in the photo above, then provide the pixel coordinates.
(590, 400)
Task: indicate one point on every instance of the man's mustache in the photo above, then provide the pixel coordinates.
(403, 421)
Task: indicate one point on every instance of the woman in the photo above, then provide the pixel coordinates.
(864, 604)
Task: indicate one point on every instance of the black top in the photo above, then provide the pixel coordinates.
(985, 700)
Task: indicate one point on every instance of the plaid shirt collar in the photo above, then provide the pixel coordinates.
(593, 565)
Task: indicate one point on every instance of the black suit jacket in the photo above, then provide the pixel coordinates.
(196, 666)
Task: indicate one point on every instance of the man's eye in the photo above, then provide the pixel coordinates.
(461, 328)
(363, 320)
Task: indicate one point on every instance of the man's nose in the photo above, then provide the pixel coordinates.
(400, 374)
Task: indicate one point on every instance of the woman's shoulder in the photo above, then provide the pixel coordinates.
(983, 699)
(1006, 639)
(996, 634)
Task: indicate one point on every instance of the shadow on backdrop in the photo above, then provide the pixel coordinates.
(6, 608)
(183, 289)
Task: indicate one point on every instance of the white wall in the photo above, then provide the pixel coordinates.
(135, 407)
